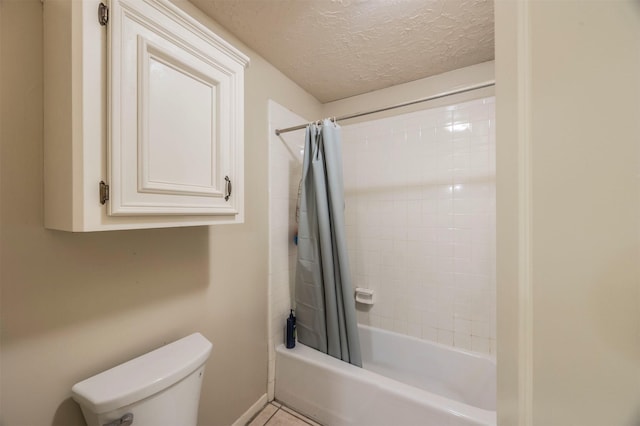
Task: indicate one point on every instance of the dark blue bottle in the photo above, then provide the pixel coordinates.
(291, 331)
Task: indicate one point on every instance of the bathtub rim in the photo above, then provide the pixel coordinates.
(318, 359)
(468, 377)
(480, 355)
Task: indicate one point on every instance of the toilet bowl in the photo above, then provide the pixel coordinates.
(161, 387)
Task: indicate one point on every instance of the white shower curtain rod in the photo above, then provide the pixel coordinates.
(417, 101)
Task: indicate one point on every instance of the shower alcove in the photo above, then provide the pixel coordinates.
(420, 215)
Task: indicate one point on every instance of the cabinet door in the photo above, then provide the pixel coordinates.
(175, 115)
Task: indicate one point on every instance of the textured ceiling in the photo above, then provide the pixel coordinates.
(340, 48)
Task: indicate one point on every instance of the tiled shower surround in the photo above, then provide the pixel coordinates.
(285, 168)
(420, 215)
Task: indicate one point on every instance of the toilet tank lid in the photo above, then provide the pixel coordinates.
(143, 376)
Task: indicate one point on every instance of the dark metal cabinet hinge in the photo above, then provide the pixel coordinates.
(103, 14)
(104, 192)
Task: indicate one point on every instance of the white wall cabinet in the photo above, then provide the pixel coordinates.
(151, 104)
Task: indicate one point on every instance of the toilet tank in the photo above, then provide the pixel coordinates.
(161, 387)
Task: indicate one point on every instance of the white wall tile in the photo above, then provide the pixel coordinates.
(420, 216)
(462, 340)
(480, 344)
(445, 337)
(285, 163)
(423, 194)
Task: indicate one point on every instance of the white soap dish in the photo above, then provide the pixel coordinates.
(366, 296)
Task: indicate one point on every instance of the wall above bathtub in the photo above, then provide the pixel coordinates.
(420, 222)
(460, 320)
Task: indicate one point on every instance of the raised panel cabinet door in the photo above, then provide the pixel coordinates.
(175, 115)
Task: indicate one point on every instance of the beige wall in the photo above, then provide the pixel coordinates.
(75, 304)
(429, 86)
(568, 142)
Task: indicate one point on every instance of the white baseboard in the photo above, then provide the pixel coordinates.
(252, 411)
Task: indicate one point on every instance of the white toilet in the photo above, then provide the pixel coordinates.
(161, 387)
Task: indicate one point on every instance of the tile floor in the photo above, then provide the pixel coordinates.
(276, 414)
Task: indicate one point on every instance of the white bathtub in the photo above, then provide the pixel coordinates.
(404, 382)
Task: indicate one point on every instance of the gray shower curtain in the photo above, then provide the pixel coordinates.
(325, 307)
